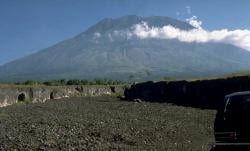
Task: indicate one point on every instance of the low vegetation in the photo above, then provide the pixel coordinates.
(105, 123)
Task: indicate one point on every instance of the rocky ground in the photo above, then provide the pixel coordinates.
(105, 123)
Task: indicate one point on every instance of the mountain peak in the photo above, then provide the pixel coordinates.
(97, 53)
(126, 22)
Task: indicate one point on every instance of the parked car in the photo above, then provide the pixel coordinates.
(232, 123)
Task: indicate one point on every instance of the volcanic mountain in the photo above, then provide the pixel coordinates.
(107, 50)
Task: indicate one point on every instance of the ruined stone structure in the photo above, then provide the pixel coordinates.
(10, 94)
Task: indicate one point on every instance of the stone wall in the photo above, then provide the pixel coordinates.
(200, 93)
(10, 94)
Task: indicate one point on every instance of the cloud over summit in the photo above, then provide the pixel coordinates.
(239, 37)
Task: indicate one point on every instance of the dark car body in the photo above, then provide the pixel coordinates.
(232, 123)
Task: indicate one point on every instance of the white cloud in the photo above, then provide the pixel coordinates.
(123, 33)
(240, 38)
(194, 22)
(97, 35)
(188, 9)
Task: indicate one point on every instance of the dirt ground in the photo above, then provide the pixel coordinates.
(105, 123)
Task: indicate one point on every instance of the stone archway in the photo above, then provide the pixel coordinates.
(21, 97)
(51, 95)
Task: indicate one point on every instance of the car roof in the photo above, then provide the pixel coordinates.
(238, 94)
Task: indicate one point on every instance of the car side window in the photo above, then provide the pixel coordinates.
(236, 107)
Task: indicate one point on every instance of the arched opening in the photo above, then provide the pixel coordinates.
(21, 97)
(51, 95)
(112, 88)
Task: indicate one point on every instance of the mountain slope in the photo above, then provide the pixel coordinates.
(105, 51)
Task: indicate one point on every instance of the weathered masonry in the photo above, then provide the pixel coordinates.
(10, 94)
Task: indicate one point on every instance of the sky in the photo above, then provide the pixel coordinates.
(27, 26)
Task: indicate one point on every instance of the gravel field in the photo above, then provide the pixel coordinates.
(105, 123)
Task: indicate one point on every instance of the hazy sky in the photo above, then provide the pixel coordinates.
(27, 26)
